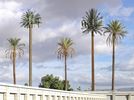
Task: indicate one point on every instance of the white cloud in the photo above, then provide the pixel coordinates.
(121, 11)
(9, 10)
(101, 46)
(66, 29)
(10, 5)
(5, 73)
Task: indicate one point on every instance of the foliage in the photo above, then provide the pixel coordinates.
(49, 81)
(14, 47)
(92, 22)
(65, 48)
(115, 31)
(26, 84)
(79, 88)
(30, 18)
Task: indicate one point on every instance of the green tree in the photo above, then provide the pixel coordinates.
(49, 81)
(15, 49)
(79, 88)
(92, 22)
(65, 50)
(116, 32)
(68, 86)
(26, 84)
(29, 19)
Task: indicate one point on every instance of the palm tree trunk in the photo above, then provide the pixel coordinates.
(14, 67)
(113, 65)
(92, 61)
(30, 56)
(65, 72)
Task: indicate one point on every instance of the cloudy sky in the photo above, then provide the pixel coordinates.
(61, 18)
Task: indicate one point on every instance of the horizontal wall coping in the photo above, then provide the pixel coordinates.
(43, 89)
(74, 92)
(113, 92)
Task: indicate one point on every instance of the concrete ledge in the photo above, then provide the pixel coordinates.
(18, 92)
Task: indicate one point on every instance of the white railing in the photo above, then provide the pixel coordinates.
(117, 95)
(16, 92)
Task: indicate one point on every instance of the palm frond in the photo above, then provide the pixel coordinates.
(14, 47)
(65, 48)
(29, 19)
(92, 22)
(116, 31)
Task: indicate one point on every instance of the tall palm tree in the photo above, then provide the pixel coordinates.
(92, 22)
(65, 50)
(116, 32)
(15, 49)
(29, 19)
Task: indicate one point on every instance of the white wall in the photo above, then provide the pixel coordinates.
(16, 92)
(117, 95)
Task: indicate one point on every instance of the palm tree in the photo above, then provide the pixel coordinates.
(92, 22)
(116, 32)
(64, 50)
(15, 49)
(29, 19)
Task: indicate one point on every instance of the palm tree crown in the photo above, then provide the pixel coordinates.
(116, 31)
(15, 45)
(65, 48)
(92, 22)
(30, 18)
